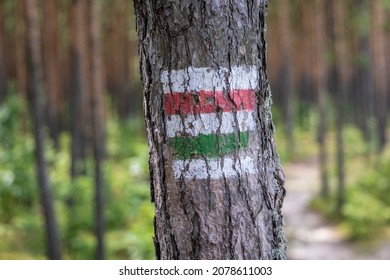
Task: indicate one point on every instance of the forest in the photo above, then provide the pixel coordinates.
(74, 173)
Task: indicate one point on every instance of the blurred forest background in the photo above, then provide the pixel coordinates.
(74, 180)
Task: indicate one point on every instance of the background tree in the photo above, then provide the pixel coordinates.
(37, 90)
(379, 70)
(340, 89)
(52, 71)
(321, 89)
(98, 120)
(80, 86)
(3, 83)
(286, 74)
(216, 179)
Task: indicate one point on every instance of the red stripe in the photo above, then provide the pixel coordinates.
(208, 101)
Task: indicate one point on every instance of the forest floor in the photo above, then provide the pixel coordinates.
(310, 235)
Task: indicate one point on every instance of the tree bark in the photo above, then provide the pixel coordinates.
(216, 180)
(35, 61)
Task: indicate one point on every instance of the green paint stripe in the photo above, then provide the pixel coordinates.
(210, 145)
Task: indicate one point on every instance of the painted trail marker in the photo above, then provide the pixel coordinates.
(204, 109)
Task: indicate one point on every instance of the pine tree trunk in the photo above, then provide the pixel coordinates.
(52, 68)
(80, 87)
(287, 82)
(35, 62)
(364, 80)
(216, 180)
(3, 80)
(321, 72)
(341, 90)
(20, 49)
(97, 94)
(379, 67)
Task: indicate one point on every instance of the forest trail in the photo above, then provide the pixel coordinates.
(309, 235)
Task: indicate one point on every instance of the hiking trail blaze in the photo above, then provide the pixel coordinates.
(203, 108)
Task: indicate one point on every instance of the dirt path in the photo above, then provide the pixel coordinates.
(309, 235)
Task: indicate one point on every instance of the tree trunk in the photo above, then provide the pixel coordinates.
(97, 94)
(321, 72)
(35, 60)
(20, 49)
(364, 80)
(3, 79)
(379, 67)
(80, 87)
(52, 68)
(287, 82)
(216, 180)
(118, 78)
(341, 88)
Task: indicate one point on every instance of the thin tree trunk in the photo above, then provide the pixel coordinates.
(321, 72)
(216, 180)
(287, 86)
(52, 68)
(98, 87)
(307, 54)
(364, 85)
(35, 60)
(80, 87)
(20, 49)
(3, 78)
(120, 76)
(341, 88)
(379, 68)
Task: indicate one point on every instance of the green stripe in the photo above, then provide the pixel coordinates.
(210, 145)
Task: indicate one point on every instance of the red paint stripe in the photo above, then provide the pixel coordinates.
(207, 101)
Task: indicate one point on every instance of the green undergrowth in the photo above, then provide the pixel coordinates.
(129, 212)
(367, 207)
(303, 145)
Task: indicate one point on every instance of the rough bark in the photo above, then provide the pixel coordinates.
(35, 62)
(221, 198)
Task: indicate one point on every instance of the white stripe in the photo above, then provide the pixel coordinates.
(198, 169)
(239, 77)
(193, 125)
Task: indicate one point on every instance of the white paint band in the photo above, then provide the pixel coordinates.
(238, 77)
(198, 169)
(193, 125)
